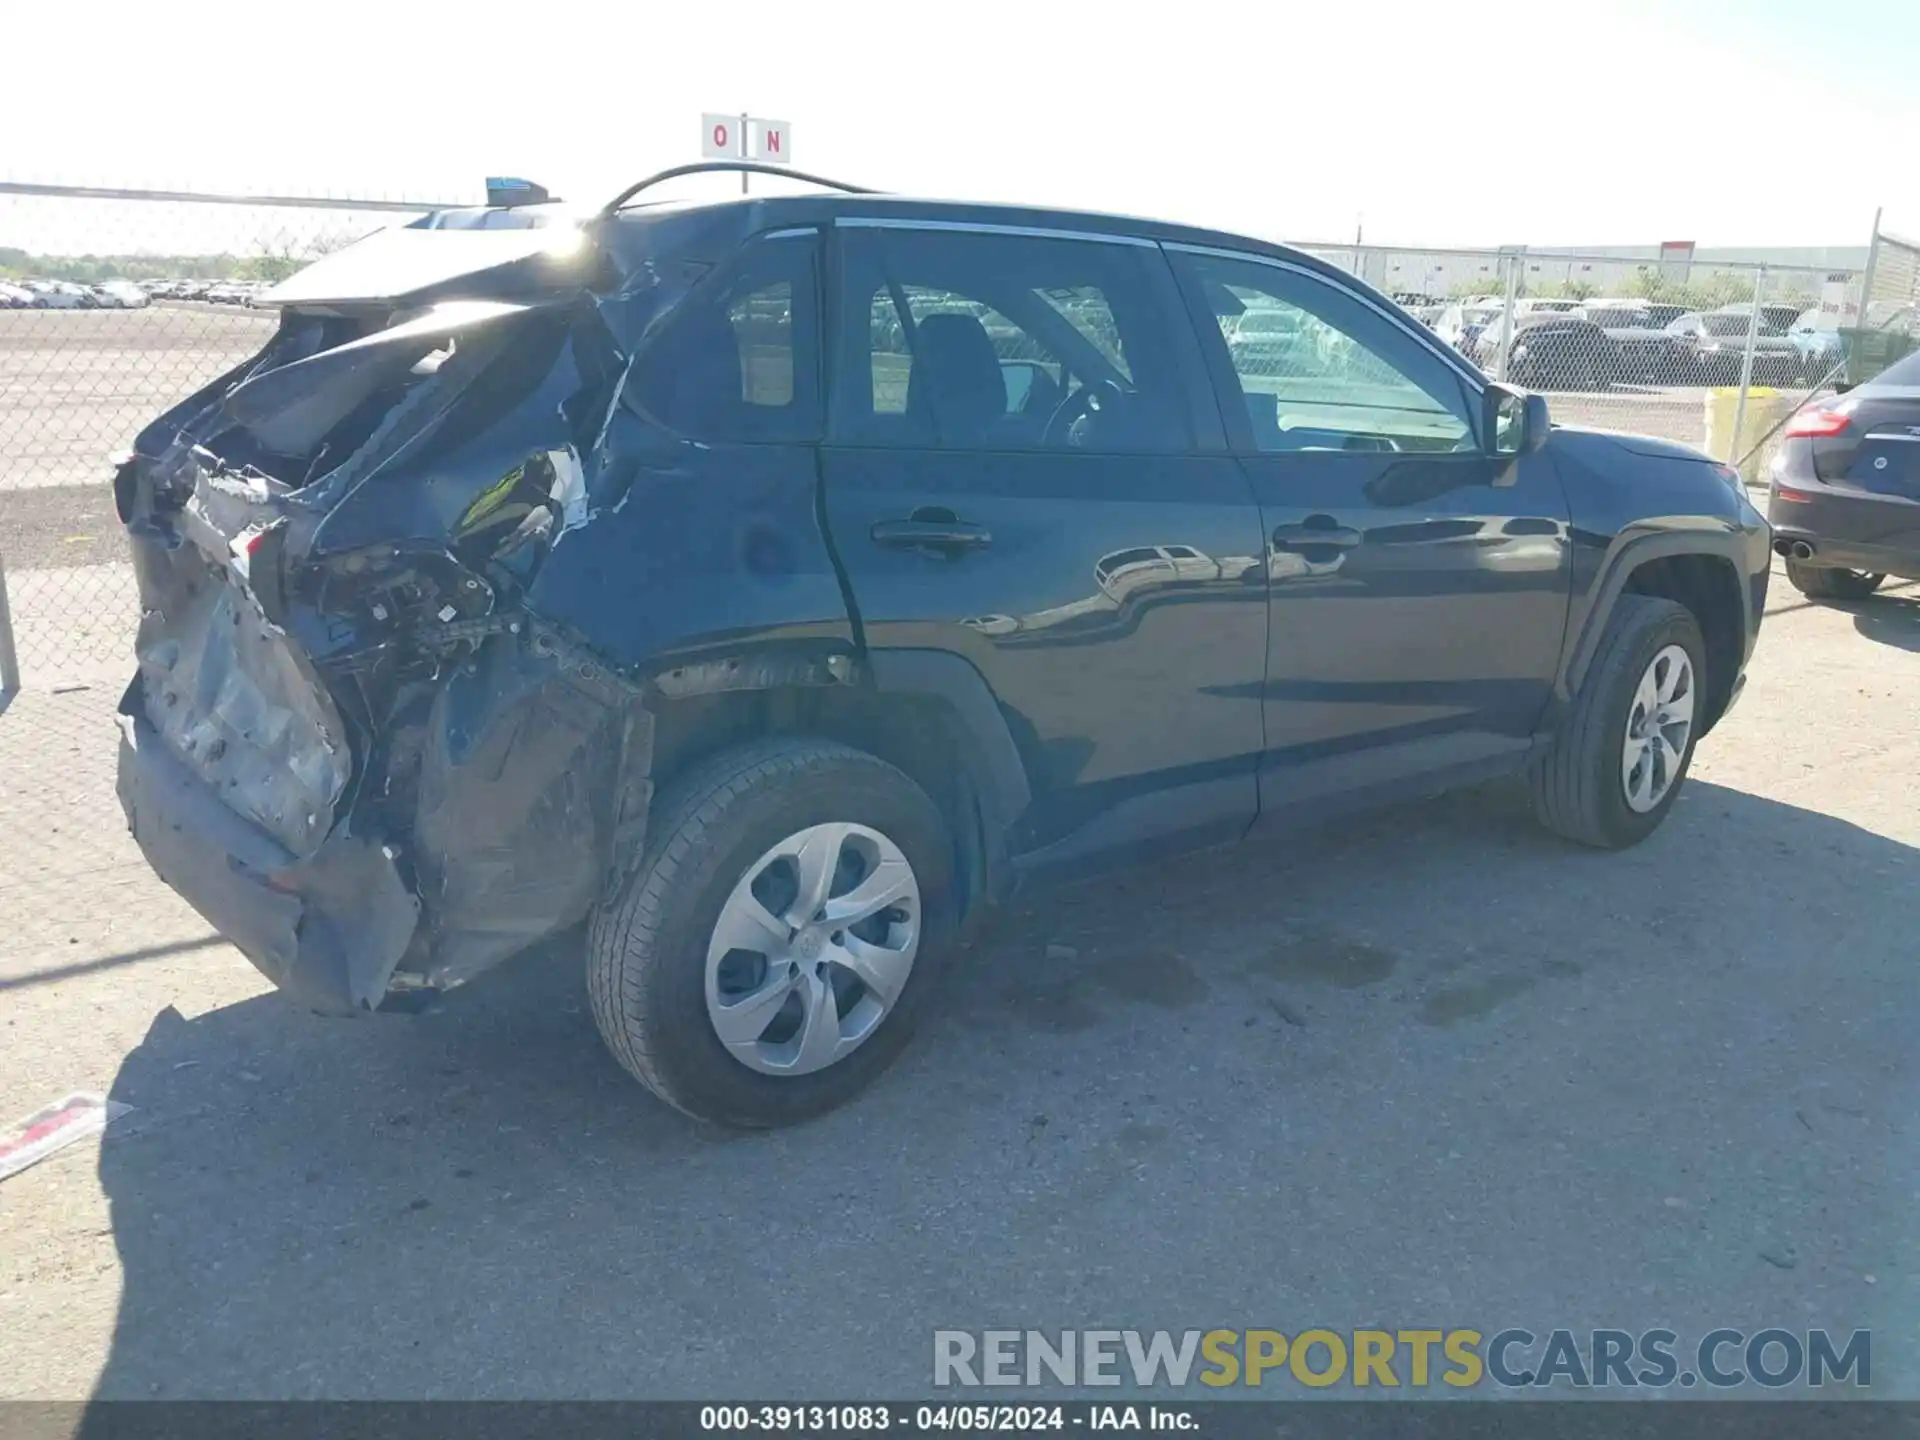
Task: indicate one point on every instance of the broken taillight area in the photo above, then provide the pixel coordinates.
(350, 743)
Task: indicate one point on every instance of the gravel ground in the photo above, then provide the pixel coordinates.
(1430, 1068)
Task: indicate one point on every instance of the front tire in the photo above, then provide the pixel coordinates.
(1827, 582)
(1617, 765)
(729, 978)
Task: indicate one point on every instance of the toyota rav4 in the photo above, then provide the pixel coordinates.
(774, 584)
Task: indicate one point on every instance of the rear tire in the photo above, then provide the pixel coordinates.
(1828, 582)
(1579, 788)
(650, 962)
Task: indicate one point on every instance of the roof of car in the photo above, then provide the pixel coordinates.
(754, 213)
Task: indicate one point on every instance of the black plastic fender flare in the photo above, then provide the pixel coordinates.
(951, 678)
(1627, 555)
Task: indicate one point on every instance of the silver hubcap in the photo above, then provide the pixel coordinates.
(812, 949)
(1659, 729)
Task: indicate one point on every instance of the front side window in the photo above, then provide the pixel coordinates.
(1318, 369)
(1001, 341)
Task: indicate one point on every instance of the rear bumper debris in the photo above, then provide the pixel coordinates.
(328, 930)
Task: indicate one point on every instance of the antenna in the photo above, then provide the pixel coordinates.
(724, 167)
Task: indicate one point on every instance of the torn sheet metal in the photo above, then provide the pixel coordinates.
(401, 627)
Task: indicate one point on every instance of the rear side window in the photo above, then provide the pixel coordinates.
(958, 340)
(739, 361)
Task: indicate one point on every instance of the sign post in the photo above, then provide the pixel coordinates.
(743, 136)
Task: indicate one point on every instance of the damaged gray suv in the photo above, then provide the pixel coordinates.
(773, 584)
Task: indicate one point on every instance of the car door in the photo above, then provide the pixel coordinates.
(719, 436)
(1418, 584)
(1024, 468)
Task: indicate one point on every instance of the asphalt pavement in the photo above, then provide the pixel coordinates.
(1431, 1068)
(60, 525)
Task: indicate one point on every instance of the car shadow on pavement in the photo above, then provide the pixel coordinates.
(1420, 1064)
(1890, 619)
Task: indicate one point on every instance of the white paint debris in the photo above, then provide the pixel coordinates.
(52, 1128)
(569, 488)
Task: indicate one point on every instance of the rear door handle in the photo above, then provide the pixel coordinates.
(1340, 537)
(952, 535)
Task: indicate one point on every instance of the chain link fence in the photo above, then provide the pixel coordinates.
(116, 304)
(1888, 325)
(1710, 353)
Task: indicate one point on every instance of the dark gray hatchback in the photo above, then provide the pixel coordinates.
(1844, 489)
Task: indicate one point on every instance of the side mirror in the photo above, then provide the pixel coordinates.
(1517, 421)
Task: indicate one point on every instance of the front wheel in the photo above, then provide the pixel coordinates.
(1828, 582)
(1617, 764)
(774, 951)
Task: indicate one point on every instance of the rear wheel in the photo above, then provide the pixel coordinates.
(1828, 582)
(773, 953)
(1617, 764)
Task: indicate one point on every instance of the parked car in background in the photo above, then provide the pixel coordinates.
(1460, 324)
(1549, 351)
(1644, 354)
(1843, 491)
(1277, 342)
(121, 295)
(552, 595)
(1714, 345)
(1660, 314)
(1821, 350)
(59, 295)
(16, 297)
(1773, 317)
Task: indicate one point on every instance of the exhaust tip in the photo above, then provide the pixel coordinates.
(1801, 550)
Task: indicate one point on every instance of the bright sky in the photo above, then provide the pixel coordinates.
(1774, 122)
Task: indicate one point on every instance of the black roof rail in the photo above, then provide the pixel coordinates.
(742, 167)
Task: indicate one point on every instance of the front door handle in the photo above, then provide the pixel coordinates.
(918, 534)
(1302, 537)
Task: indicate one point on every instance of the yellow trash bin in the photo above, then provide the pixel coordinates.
(1766, 407)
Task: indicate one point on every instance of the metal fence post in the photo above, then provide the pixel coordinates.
(9, 660)
(1746, 364)
(1866, 275)
(1505, 347)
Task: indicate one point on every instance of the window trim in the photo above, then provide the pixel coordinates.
(978, 227)
(1238, 428)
